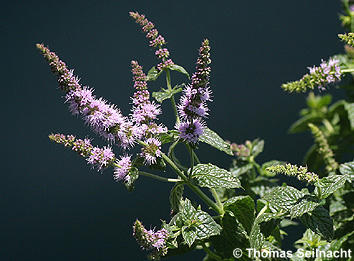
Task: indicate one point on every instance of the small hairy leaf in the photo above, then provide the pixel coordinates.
(213, 139)
(153, 74)
(165, 94)
(206, 227)
(178, 68)
(211, 176)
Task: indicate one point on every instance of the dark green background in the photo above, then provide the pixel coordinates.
(53, 207)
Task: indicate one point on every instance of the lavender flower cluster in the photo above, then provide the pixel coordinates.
(151, 240)
(192, 107)
(100, 158)
(321, 76)
(106, 119)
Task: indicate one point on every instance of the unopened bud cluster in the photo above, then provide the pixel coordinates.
(300, 173)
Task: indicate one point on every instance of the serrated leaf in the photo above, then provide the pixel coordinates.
(243, 208)
(349, 107)
(164, 94)
(232, 236)
(197, 224)
(176, 196)
(320, 222)
(213, 139)
(211, 176)
(178, 68)
(292, 200)
(153, 74)
(327, 185)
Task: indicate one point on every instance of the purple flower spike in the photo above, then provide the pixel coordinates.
(192, 106)
(191, 131)
(105, 119)
(151, 240)
(101, 158)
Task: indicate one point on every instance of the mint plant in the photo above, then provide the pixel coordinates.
(245, 210)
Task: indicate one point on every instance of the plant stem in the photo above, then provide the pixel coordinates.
(173, 102)
(216, 197)
(210, 253)
(346, 70)
(146, 174)
(263, 210)
(196, 190)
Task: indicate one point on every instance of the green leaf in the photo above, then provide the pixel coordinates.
(302, 124)
(178, 68)
(327, 185)
(165, 94)
(189, 235)
(153, 74)
(198, 225)
(243, 208)
(257, 147)
(134, 175)
(292, 200)
(320, 222)
(256, 236)
(347, 169)
(214, 140)
(176, 196)
(232, 236)
(206, 226)
(238, 170)
(349, 107)
(211, 176)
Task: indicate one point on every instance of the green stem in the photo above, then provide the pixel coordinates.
(216, 197)
(210, 253)
(146, 174)
(173, 102)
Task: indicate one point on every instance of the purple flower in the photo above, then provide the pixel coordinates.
(327, 73)
(191, 131)
(122, 172)
(97, 157)
(101, 157)
(151, 240)
(192, 106)
(152, 151)
(193, 103)
(105, 119)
